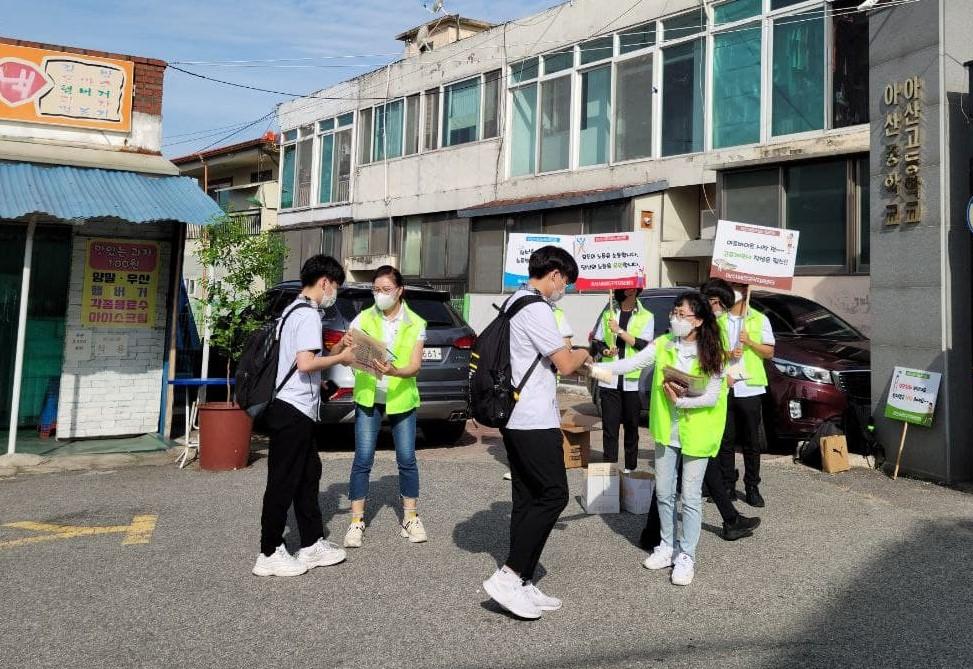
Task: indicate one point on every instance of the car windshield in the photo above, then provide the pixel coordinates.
(436, 314)
(796, 316)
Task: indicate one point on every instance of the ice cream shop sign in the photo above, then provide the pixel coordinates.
(58, 88)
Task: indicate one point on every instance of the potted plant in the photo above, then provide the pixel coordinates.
(239, 267)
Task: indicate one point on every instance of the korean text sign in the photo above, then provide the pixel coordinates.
(121, 283)
(605, 261)
(912, 396)
(60, 88)
(755, 255)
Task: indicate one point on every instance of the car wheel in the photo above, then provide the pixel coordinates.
(442, 432)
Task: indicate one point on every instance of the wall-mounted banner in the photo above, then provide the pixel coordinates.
(519, 248)
(754, 255)
(60, 88)
(610, 261)
(605, 261)
(121, 281)
(912, 396)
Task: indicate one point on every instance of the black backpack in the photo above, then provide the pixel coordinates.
(492, 393)
(256, 374)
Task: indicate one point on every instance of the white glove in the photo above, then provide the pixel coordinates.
(600, 373)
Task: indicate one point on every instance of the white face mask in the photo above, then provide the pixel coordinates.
(680, 326)
(385, 301)
(738, 296)
(555, 296)
(328, 300)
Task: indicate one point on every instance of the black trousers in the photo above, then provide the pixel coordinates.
(540, 493)
(743, 416)
(713, 481)
(620, 408)
(293, 477)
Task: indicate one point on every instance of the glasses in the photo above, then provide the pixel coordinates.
(387, 290)
(681, 314)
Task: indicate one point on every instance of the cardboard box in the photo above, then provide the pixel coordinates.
(834, 454)
(601, 488)
(572, 418)
(637, 491)
(577, 446)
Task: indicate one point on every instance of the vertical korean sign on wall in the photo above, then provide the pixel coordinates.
(121, 282)
(901, 161)
(67, 89)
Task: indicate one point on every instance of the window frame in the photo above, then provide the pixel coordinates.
(319, 138)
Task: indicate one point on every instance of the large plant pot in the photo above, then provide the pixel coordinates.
(224, 436)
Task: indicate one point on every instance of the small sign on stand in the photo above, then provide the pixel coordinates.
(912, 400)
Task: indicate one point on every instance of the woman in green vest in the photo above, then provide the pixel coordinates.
(686, 421)
(395, 397)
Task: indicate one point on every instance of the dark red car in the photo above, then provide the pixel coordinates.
(820, 370)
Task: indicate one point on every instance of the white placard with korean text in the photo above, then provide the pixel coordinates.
(755, 255)
(912, 396)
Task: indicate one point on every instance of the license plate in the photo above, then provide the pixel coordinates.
(432, 354)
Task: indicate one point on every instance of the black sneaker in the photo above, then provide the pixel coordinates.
(740, 528)
(754, 498)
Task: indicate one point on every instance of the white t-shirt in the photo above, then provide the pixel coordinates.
(534, 331)
(734, 325)
(301, 332)
(390, 330)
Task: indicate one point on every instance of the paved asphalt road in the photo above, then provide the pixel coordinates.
(852, 570)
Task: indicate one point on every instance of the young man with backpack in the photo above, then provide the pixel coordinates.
(293, 465)
(532, 432)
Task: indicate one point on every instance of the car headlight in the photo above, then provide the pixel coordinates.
(797, 371)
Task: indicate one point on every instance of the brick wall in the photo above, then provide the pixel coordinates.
(115, 396)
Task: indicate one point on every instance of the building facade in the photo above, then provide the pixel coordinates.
(598, 117)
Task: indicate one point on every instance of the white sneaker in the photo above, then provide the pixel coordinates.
(539, 599)
(508, 477)
(355, 535)
(414, 531)
(683, 572)
(321, 554)
(506, 590)
(660, 558)
(281, 563)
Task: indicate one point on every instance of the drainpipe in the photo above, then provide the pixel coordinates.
(208, 311)
(21, 336)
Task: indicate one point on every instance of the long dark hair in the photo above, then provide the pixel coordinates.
(709, 343)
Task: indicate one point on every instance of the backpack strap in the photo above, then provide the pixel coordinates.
(277, 335)
(509, 313)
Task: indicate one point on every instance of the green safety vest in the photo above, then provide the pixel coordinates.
(558, 317)
(640, 319)
(402, 395)
(753, 364)
(700, 430)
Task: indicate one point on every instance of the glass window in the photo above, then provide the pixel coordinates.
(798, 95)
(341, 187)
(412, 125)
(525, 70)
(305, 162)
(378, 134)
(556, 62)
(752, 197)
(684, 25)
(596, 115)
(359, 239)
(461, 112)
(457, 249)
(365, 136)
(597, 49)
(346, 119)
(736, 10)
(325, 175)
(430, 128)
(682, 98)
(491, 104)
(307, 131)
(604, 219)
(379, 237)
(736, 87)
(864, 223)
(780, 4)
(556, 124)
(486, 254)
(287, 178)
(633, 108)
(410, 259)
(562, 221)
(850, 79)
(433, 249)
(290, 135)
(326, 125)
(393, 129)
(638, 38)
(331, 241)
(524, 132)
(817, 206)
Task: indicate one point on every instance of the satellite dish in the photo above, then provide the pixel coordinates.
(438, 6)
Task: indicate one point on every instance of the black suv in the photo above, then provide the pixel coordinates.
(443, 379)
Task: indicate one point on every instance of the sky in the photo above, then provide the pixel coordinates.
(183, 31)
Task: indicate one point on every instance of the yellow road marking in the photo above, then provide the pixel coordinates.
(139, 531)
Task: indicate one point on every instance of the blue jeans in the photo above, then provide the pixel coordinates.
(368, 423)
(693, 470)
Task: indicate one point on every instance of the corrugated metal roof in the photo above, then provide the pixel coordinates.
(79, 194)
